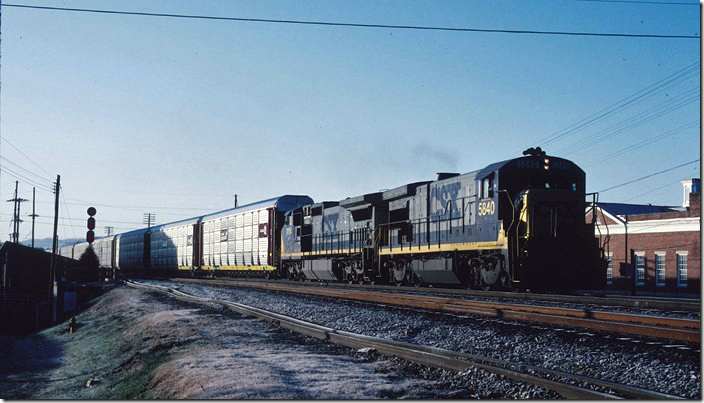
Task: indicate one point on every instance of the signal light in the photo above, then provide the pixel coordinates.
(90, 235)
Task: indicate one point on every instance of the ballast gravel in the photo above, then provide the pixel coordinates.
(672, 368)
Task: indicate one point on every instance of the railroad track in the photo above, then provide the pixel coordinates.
(570, 386)
(591, 298)
(674, 329)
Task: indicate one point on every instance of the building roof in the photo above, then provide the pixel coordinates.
(634, 209)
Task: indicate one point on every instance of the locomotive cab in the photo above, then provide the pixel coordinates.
(552, 247)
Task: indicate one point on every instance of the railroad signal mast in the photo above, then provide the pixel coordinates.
(90, 235)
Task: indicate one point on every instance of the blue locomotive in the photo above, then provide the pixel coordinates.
(516, 224)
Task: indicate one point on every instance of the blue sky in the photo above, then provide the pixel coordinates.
(175, 116)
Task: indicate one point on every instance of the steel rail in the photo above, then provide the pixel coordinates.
(676, 329)
(438, 358)
(600, 299)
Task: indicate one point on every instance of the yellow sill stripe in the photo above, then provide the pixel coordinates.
(500, 243)
(241, 268)
(448, 247)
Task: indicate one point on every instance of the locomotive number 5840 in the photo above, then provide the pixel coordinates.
(486, 208)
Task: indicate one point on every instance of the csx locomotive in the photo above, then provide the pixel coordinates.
(515, 224)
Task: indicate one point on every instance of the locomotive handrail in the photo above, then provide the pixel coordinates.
(508, 230)
(595, 200)
(437, 219)
(465, 206)
(324, 242)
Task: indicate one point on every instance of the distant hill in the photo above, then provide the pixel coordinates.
(45, 243)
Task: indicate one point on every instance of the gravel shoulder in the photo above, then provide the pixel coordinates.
(133, 344)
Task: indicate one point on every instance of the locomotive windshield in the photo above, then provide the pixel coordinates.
(553, 219)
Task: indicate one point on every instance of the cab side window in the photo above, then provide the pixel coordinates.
(488, 187)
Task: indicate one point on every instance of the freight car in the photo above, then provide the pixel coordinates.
(104, 249)
(516, 224)
(238, 240)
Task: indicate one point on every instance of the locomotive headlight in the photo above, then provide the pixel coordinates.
(547, 163)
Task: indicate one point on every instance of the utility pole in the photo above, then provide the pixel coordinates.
(14, 214)
(54, 287)
(33, 215)
(149, 219)
(235, 200)
(0, 59)
(15, 235)
(109, 229)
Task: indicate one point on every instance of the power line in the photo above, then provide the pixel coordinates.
(648, 176)
(653, 190)
(65, 209)
(42, 222)
(632, 100)
(625, 103)
(646, 142)
(634, 121)
(168, 211)
(25, 179)
(353, 25)
(192, 194)
(103, 220)
(132, 207)
(667, 3)
(23, 154)
(25, 169)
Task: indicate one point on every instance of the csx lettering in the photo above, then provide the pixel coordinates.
(442, 195)
(330, 222)
(486, 208)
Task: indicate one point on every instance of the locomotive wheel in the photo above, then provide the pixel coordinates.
(485, 286)
(505, 281)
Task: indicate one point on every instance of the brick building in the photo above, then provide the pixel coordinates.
(662, 244)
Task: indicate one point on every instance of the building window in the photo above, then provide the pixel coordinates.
(681, 269)
(660, 269)
(640, 268)
(609, 268)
